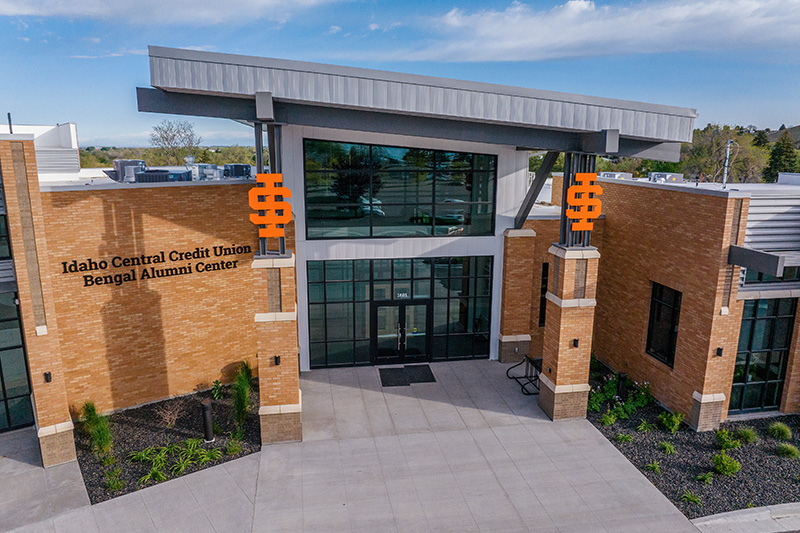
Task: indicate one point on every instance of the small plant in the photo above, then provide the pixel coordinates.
(217, 390)
(690, 497)
(750, 505)
(654, 467)
(726, 465)
(666, 447)
(216, 427)
(671, 421)
(159, 460)
(191, 449)
(143, 456)
(172, 449)
(114, 485)
(113, 473)
(790, 451)
(706, 478)
(623, 438)
(169, 412)
(726, 441)
(780, 431)
(208, 456)
(747, 435)
(241, 394)
(179, 467)
(797, 478)
(154, 475)
(246, 370)
(645, 426)
(608, 418)
(234, 447)
(109, 460)
(97, 429)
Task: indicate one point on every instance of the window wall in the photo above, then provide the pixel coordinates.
(662, 333)
(368, 191)
(340, 295)
(790, 274)
(15, 391)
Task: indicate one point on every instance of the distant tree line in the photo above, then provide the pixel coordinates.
(753, 157)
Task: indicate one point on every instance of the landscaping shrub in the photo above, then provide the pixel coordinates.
(747, 435)
(645, 426)
(654, 467)
(97, 429)
(241, 394)
(623, 438)
(690, 497)
(246, 370)
(706, 478)
(780, 431)
(608, 418)
(217, 391)
(234, 447)
(666, 447)
(784, 449)
(726, 465)
(638, 396)
(725, 441)
(169, 412)
(671, 421)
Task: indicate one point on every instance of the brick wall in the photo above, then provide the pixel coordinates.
(679, 239)
(144, 340)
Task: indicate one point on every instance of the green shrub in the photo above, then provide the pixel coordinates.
(623, 438)
(217, 390)
(180, 466)
(689, 497)
(780, 431)
(143, 456)
(246, 370)
(747, 435)
(654, 467)
(666, 447)
(784, 449)
(97, 429)
(671, 421)
(725, 441)
(608, 418)
(208, 456)
(216, 427)
(645, 426)
(172, 449)
(241, 395)
(155, 474)
(234, 447)
(706, 478)
(726, 465)
(115, 484)
(109, 460)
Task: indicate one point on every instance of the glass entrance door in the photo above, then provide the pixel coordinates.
(762, 355)
(400, 333)
(16, 410)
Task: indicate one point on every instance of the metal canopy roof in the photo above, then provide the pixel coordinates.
(364, 99)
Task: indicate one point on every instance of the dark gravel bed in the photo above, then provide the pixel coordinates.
(135, 429)
(765, 478)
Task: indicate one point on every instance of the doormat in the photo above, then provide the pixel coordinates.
(393, 377)
(419, 374)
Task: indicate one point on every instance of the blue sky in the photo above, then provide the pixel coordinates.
(735, 61)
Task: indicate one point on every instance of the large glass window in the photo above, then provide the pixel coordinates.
(361, 191)
(762, 355)
(754, 276)
(15, 401)
(341, 294)
(662, 333)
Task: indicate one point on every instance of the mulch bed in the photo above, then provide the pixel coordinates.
(765, 478)
(135, 429)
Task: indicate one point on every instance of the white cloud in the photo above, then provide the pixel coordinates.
(190, 12)
(121, 53)
(334, 29)
(581, 28)
(373, 27)
(94, 40)
(24, 39)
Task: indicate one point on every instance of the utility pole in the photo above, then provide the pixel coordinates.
(727, 158)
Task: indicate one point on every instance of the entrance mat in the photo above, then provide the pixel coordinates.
(419, 374)
(393, 377)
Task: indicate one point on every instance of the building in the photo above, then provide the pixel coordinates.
(416, 236)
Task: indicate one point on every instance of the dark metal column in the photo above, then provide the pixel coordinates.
(259, 133)
(276, 167)
(574, 163)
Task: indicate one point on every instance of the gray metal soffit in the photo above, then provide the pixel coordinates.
(227, 75)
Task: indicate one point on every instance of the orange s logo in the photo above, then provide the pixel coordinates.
(585, 207)
(276, 211)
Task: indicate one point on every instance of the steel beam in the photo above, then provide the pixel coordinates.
(536, 187)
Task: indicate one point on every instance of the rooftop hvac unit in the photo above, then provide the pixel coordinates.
(616, 175)
(237, 171)
(157, 175)
(665, 177)
(124, 169)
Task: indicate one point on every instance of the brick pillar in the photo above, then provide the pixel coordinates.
(518, 266)
(280, 410)
(37, 308)
(564, 388)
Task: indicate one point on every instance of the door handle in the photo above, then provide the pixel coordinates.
(398, 335)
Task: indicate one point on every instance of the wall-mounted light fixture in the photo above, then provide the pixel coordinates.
(719, 352)
(277, 360)
(48, 377)
(575, 343)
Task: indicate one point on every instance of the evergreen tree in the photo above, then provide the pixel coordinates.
(760, 138)
(782, 158)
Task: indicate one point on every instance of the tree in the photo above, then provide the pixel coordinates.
(174, 140)
(782, 158)
(705, 157)
(760, 138)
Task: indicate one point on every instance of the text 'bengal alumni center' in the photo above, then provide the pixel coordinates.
(399, 225)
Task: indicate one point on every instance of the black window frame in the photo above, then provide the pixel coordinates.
(658, 304)
(477, 208)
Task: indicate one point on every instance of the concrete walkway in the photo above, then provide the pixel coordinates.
(467, 453)
(773, 518)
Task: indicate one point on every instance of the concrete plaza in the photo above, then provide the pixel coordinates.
(467, 453)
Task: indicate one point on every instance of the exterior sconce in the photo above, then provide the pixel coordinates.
(277, 360)
(719, 352)
(574, 343)
(48, 377)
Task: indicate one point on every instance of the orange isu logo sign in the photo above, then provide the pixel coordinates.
(584, 208)
(275, 211)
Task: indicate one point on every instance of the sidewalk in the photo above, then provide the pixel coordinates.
(467, 453)
(785, 517)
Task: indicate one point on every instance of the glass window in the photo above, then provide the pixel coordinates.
(355, 191)
(5, 247)
(790, 274)
(665, 307)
